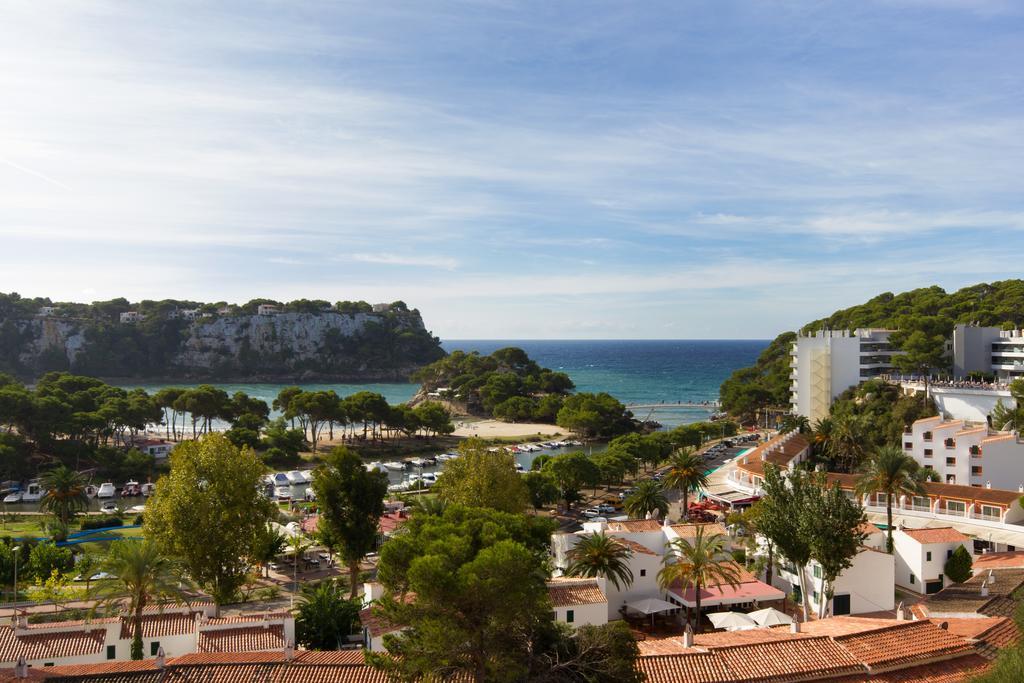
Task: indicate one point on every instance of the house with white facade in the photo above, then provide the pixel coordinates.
(921, 556)
(46, 311)
(865, 586)
(648, 540)
(158, 448)
(172, 632)
(268, 309)
(828, 362)
(963, 453)
(785, 451)
(988, 350)
(129, 317)
(579, 602)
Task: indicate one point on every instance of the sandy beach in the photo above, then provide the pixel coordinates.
(490, 429)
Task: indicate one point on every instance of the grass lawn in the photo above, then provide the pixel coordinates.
(100, 546)
(32, 526)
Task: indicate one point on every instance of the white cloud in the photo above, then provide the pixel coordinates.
(445, 262)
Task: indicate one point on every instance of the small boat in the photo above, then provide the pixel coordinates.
(295, 477)
(395, 465)
(307, 475)
(13, 497)
(90, 491)
(137, 509)
(375, 466)
(108, 507)
(279, 479)
(398, 488)
(445, 457)
(429, 460)
(310, 494)
(106, 490)
(417, 462)
(283, 493)
(430, 477)
(33, 493)
(519, 467)
(148, 488)
(131, 489)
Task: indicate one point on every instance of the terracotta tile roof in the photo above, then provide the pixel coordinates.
(375, 622)
(99, 668)
(998, 437)
(248, 618)
(869, 528)
(568, 592)
(967, 627)
(690, 530)
(947, 425)
(633, 525)
(945, 534)
(788, 660)
(636, 547)
(1010, 560)
(692, 667)
(950, 671)
(246, 639)
(158, 625)
(971, 430)
(966, 598)
(928, 419)
(1003, 633)
(844, 626)
(954, 491)
(904, 643)
(49, 645)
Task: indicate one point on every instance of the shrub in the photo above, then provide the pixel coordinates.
(958, 566)
(102, 522)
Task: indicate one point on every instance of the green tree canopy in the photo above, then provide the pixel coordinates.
(210, 512)
(483, 479)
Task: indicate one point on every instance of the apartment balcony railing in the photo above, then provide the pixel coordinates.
(919, 508)
(951, 512)
(987, 518)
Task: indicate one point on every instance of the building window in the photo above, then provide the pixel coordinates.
(908, 445)
(570, 616)
(975, 450)
(817, 572)
(111, 651)
(881, 499)
(950, 443)
(153, 647)
(928, 556)
(814, 596)
(927, 452)
(920, 502)
(912, 579)
(991, 511)
(643, 572)
(949, 554)
(976, 470)
(927, 436)
(950, 462)
(955, 507)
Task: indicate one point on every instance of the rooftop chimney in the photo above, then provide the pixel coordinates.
(988, 484)
(688, 637)
(991, 577)
(900, 615)
(794, 627)
(944, 626)
(21, 668)
(984, 590)
(289, 652)
(161, 658)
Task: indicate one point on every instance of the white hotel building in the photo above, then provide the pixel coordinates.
(829, 362)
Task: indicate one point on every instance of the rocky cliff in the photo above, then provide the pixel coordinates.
(386, 345)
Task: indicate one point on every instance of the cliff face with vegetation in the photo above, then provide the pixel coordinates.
(924, 314)
(306, 340)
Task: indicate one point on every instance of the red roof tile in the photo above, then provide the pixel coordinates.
(949, 671)
(49, 645)
(247, 639)
(903, 643)
(945, 534)
(566, 592)
(634, 525)
(1010, 560)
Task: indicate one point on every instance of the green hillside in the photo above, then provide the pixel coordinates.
(930, 311)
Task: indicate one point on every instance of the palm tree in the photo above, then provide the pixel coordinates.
(892, 472)
(65, 493)
(649, 497)
(823, 436)
(795, 423)
(140, 576)
(697, 564)
(601, 555)
(686, 473)
(269, 544)
(846, 442)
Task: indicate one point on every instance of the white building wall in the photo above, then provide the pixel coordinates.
(826, 364)
(595, 614)
(869, 582)
(912, 559)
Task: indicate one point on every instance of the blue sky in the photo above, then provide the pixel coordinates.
(581, 169)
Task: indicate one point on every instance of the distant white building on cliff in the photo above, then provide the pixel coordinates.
(268, 309)
(129, 317)
(828, 362)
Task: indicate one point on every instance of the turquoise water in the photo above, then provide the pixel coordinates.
(638, 372)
